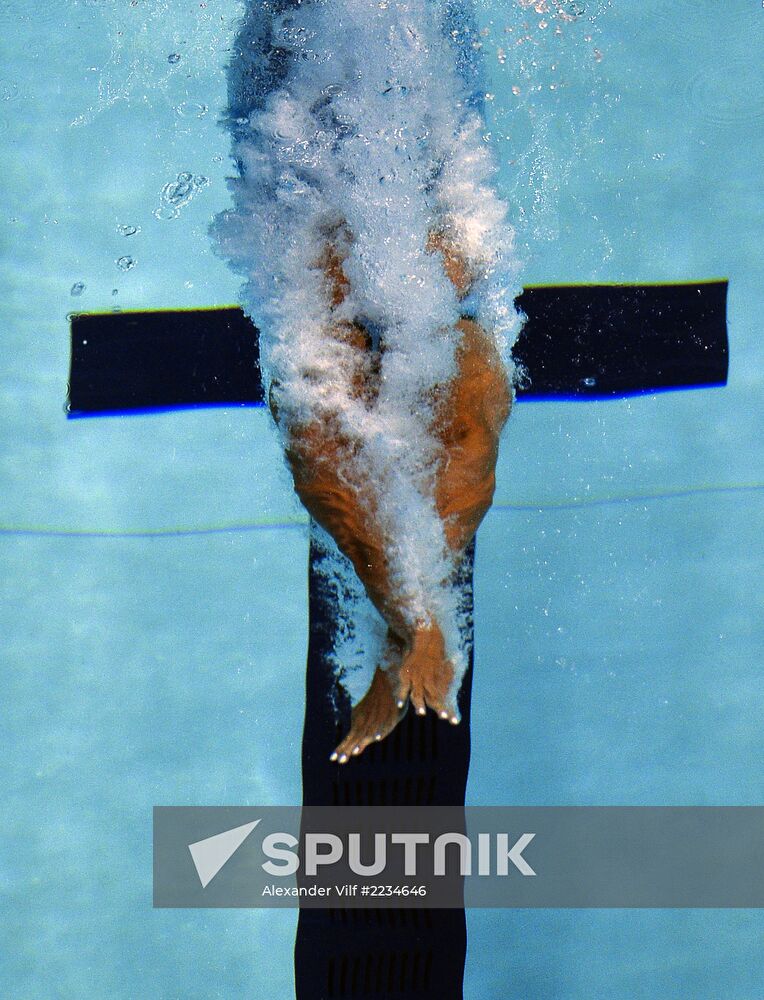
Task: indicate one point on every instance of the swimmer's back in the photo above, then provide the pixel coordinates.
(258, 66)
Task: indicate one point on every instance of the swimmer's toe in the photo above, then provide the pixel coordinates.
(416, 695)
(453, 715)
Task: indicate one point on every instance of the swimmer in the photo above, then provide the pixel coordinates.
(378, 266)
(470, 415)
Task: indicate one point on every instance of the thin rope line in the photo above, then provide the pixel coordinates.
(301, 522)
(612, 501)
(215, 529)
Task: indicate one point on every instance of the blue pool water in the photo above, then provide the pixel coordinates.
(619, 610)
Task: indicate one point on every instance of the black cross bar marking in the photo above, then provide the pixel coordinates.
(578, 342)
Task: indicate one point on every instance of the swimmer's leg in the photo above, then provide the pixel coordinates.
(470, 415)
(345, 508)
(320, 453)
(463, 478)
(469, 423)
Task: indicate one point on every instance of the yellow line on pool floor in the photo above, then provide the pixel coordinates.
(270, 524)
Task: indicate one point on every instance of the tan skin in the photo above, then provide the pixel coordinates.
(470, 412)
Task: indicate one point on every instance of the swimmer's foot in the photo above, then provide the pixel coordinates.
(374, 717)
(426, 675)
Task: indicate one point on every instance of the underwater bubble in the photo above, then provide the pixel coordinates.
(177, 193)
(571, 11)
(173, 58)
(77, 288)
(128, 230)
(189, 109)
(589, 382)
(126, 263)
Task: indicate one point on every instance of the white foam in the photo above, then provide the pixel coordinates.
(370, 127)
